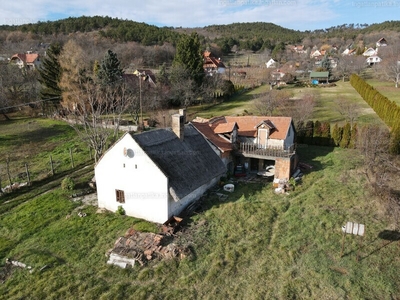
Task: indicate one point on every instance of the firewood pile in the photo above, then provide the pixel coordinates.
(145, 246)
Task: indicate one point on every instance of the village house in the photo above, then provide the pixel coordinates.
(370, 52)
(349, 51)
(373, 59)
(211, 64)
(255, 142)
(156, 174)
(147, 76)
(381, 42)
(27, 60)
(271, 63)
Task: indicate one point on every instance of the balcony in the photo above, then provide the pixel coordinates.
(256, 151)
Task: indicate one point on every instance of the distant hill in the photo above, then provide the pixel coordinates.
(114, 28)
(252, 36)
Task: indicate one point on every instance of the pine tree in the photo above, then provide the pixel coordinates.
(50, 75)
(189, 57)
(110, 71)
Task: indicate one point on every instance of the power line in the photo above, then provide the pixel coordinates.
(29, 103)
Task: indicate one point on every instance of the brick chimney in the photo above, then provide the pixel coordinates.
(178, 123)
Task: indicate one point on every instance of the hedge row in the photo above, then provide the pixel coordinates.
(317, 133)
(387, 110)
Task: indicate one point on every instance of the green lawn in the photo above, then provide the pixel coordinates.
(324, 111)
(254, 245)
(31, 141)
(387, 89)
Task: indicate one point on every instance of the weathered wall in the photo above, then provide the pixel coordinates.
(282, 168)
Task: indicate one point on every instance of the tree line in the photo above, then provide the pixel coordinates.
(387, 110)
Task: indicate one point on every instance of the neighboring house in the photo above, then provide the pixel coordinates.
(154, 175)
(252, 141)
(370, 52)
(212, 64)
(319, 77)
(317, 53)
(381, 42)
(299, 49)
(372, 60)
(349, 52)
(277, 76)
(27, 60)
(146, 75)
(271, 63)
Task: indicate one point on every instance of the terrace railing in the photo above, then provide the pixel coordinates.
(254, 150)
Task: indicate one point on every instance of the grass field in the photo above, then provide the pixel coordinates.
(254, 245)
(325, 109)
(31, 141)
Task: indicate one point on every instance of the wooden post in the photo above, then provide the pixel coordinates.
(51, 165)
(27, 174)
(90, 153)
(72, 157)
(8, 170)
(341, 253)
(359, 246)
(1, 191)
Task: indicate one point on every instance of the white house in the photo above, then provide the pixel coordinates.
(381, 42)
(374, 59)
(271, 63)
(154, 175)
(370, 52)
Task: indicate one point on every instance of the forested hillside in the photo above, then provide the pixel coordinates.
(253, 36)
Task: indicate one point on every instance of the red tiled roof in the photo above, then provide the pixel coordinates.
(247, 125)
(28, 58)
(215, 139)
(225, 127)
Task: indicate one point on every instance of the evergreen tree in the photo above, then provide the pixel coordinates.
(110, 71)
(326, 65)
(50, 75)
(337, 134)
(346, 136)
(189, 57)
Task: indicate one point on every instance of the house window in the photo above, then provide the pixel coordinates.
(120, 196)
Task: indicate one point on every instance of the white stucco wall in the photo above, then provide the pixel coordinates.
(144, 185)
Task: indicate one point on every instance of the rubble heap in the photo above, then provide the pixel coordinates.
(142, 247)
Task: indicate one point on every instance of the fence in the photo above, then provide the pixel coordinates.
(16, 172)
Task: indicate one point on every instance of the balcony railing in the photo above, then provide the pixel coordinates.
(250, 149)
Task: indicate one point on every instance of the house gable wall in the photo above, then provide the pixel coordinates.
(128, 168)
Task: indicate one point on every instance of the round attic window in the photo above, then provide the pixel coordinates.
(129, 152)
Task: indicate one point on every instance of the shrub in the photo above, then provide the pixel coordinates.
(121, 210)
(67, 184)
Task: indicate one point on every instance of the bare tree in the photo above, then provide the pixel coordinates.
(97, 113)
(299, 109)
(344, 68)
(390, 66)
(348, 109)
(269, 102)
(380, 168)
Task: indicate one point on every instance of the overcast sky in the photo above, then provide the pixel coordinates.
(293, 14)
